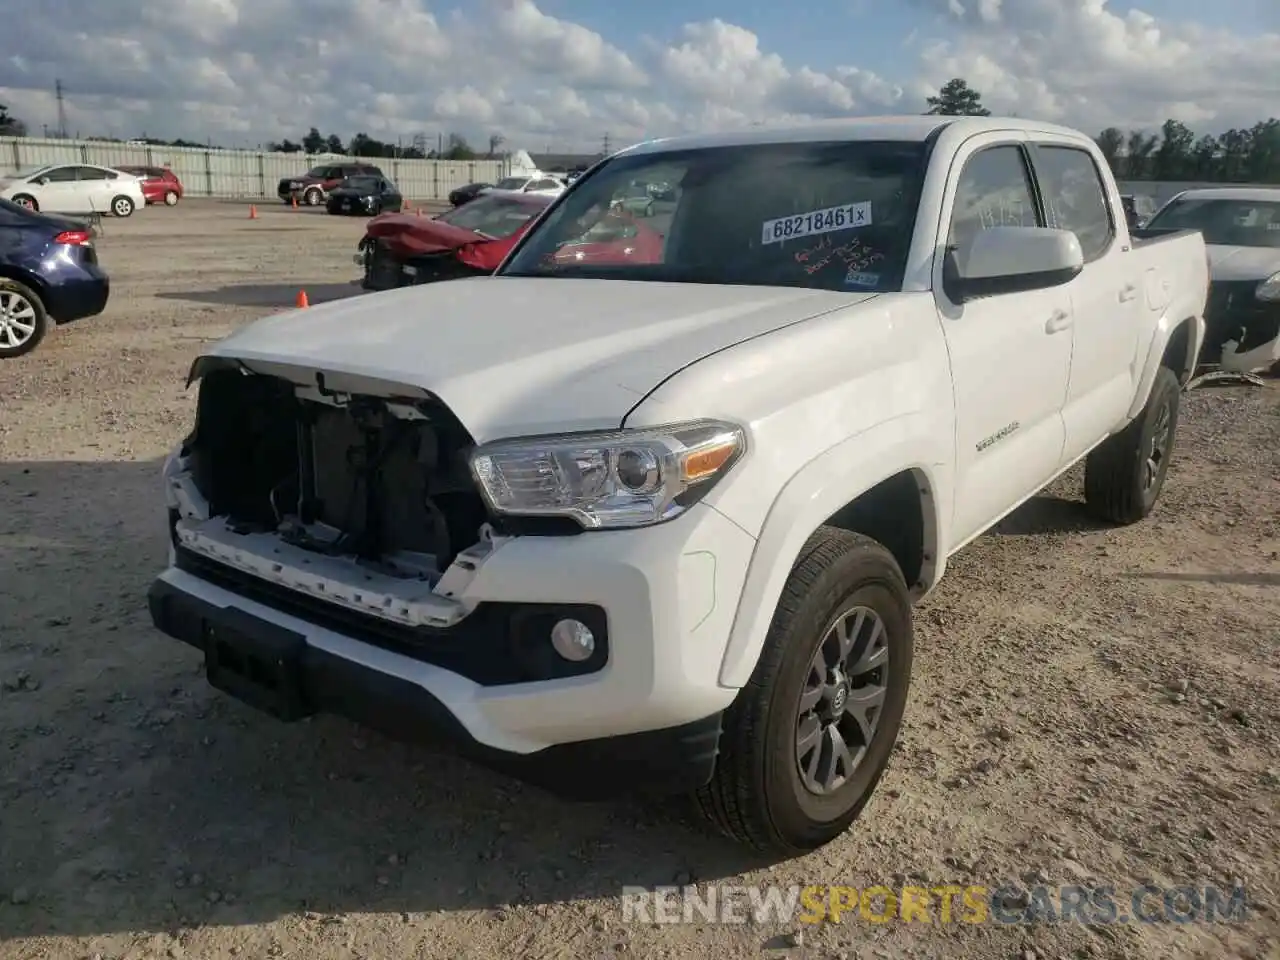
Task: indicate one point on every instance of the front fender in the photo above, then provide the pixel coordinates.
(810, 498)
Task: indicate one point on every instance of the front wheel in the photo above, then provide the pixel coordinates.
(809, 736)
(26, 200)
(1124, 475)
(312, 197)
(171, 199)
(122, 207)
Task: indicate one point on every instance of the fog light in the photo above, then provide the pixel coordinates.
(573, 640)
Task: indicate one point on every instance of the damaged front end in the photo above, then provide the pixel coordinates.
(1242, 327)
(358, 500)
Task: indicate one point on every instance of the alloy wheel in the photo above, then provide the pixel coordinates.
(840, 705)
(17, 319)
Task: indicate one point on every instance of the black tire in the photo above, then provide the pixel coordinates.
(1119, 485)
(11, 291)
(121, 206)
(312, 197)
(26, 200)
(171, 198)
(757, 794)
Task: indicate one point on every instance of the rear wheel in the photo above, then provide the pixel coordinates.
(26, 200)
(171, 198)
(809, 736)
(23, 321)
(1123, 476)
(122, 207)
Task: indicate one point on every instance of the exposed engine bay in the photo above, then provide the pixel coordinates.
(363, 500)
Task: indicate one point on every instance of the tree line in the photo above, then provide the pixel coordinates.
(1244, 155)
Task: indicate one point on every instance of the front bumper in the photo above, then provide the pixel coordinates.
(382, 270)
(1234, 313)
(669, 596)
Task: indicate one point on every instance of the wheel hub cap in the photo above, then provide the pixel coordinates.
(17, 320)
(840, 705)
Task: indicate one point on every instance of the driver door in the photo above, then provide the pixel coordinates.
(1010, 354)
(57, 194)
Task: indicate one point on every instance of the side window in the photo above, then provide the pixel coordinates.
(91, 173)
(1075, 198)
(994, 190)
(60, 175)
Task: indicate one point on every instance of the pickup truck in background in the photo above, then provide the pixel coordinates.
(1241, 226)
(659, 523)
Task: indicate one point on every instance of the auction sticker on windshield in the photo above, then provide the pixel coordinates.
(828, 220)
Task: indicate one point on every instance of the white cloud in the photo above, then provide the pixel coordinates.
(244, 71)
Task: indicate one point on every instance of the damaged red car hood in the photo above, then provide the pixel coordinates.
(412, 234)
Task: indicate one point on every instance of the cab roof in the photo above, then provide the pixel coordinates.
(900, 128)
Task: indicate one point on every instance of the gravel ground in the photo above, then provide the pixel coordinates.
(1092, 706)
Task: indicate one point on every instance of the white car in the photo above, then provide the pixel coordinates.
(75, 188)
(542, 183)
(659, 521)
(1241, 225)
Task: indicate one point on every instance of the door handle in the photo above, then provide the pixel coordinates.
(1128, 292)
(1060, 320)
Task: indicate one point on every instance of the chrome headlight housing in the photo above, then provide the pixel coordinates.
(619, 479)
(1269, 289)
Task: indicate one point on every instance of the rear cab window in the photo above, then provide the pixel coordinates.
(1074, 196)
(824, 215)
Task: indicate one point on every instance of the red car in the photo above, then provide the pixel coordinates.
(401, 249)
(159, 184)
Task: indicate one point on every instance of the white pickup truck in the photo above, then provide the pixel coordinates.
(627, 520)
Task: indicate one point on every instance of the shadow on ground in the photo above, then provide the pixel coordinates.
(266, 294)
(1047, 513)
(136, 797)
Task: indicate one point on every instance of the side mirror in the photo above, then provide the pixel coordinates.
(1011, 260)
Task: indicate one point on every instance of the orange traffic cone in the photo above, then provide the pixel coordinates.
(294, 203)
(404, 206)
(253, 212)
(419, 211)
(302, 299)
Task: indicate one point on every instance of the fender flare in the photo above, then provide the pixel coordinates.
(812, 495)
(1165, 328)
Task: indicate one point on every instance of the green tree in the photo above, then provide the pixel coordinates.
(1138, 150)
(333, 144)
(1172, 158)
(1111, 142)
(10, 126)
(957, 99)
(313, 142)
(457, 148)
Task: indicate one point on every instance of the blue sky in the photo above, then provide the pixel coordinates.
(866, 33)
(563, 73)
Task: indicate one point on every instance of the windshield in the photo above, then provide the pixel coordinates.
(511, 183)
(320, 173)
(832, 216)
(361, 183)
(1231, 223)
(492, 216)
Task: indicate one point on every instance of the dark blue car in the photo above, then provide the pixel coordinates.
(49, 274)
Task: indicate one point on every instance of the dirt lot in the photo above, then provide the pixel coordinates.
(1091, 705)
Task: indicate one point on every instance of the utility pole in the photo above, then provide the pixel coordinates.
(606, 144)
(62, 110)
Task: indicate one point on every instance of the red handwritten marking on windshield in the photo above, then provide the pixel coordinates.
(855, 255)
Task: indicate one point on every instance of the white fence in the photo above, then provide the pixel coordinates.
(241, 173)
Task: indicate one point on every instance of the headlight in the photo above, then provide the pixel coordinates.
(1269, 289)
(626, 478)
